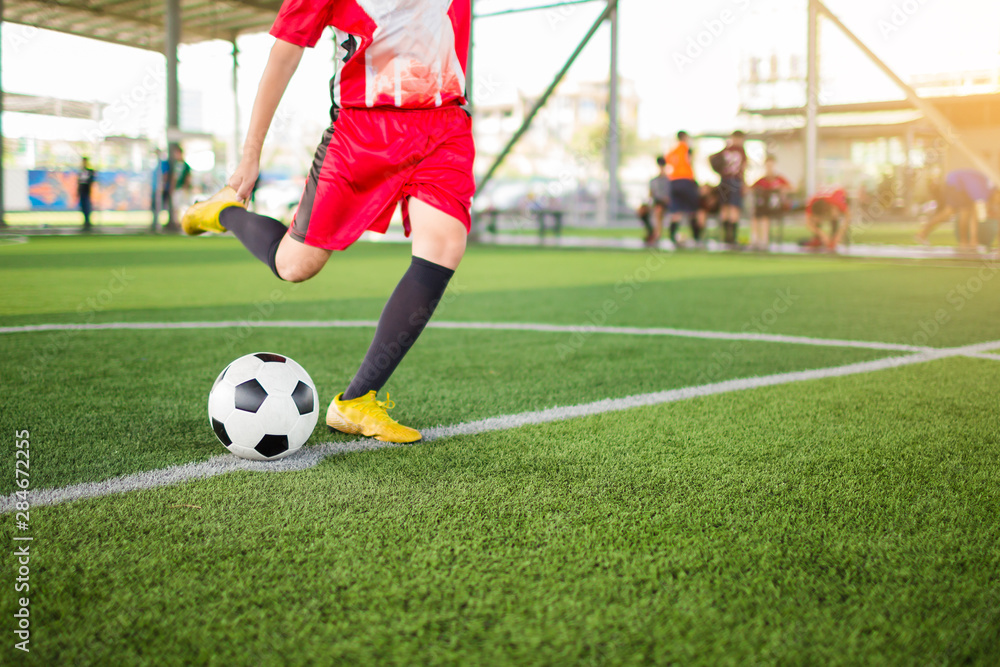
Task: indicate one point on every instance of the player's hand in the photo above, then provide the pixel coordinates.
(244, 177)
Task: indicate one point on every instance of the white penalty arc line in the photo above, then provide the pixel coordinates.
(309, 457)
(482, 326)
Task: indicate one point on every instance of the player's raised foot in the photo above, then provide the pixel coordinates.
(366, 415)
(204, 216)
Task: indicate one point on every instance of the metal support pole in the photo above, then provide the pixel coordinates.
(941, 124)
(614, 135)
(909, 180)
(812, 100)
(544, 98)
(173, 38)
(237, 135)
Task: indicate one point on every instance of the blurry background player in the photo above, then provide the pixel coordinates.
(827, 205)
(173, 186)
(769, 193)
(993, 220)
(731, 163)
(659, 196)
(708, 204)
(683, 188)
(84, 186)
(398, 134)
(965, 194)
(179, 183)
(645, 214)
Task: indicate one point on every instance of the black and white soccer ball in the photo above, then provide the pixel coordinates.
(263, 406)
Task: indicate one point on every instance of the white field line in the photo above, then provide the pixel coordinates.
(482, 326)
(310, 456)
(984, 355)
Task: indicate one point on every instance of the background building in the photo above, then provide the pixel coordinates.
(873, 144)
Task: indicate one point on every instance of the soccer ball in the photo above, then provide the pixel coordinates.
(263, 406)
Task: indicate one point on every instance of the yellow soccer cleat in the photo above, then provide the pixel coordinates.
(366, 415)
(204, 216)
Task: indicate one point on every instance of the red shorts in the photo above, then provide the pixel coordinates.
(370, 159)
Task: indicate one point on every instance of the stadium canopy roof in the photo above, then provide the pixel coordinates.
(142, 23)
(963, 110)
(52, 106)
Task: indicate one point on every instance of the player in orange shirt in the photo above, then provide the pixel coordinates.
(684, 196)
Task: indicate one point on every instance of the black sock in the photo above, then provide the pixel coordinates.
(695, 229)
(728, 232)
(260, 234)
(673, 231)
(647, 222)
(406, 312)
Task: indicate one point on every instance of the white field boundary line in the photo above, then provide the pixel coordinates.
(985, 355)
(309, 457)
(482, 326)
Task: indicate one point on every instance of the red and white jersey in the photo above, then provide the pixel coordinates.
(406, 54)
(835, 196)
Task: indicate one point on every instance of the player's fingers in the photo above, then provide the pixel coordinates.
(246, 188)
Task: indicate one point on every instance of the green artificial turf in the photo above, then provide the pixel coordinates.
(106, 403)
(180, 279)
(839, 522)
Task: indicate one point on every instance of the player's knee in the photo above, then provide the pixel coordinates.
(455, 243)
(454, 250)
(294, 272)
(449, 248)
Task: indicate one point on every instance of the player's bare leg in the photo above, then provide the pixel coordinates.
(658, 215)
(925, 230)
(815, 227)
(437, 236)
(839, 232)
(977, 214)
(296, 261)
(760, 232)
(963, 229)
(438, 246)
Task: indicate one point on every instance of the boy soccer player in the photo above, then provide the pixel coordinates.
(659, 195)
(684, 197)
(398, 134)
(733, 164)
(769, 203)
(965, 193)
(828, 205)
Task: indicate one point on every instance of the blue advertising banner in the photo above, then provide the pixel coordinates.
(54, 190)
